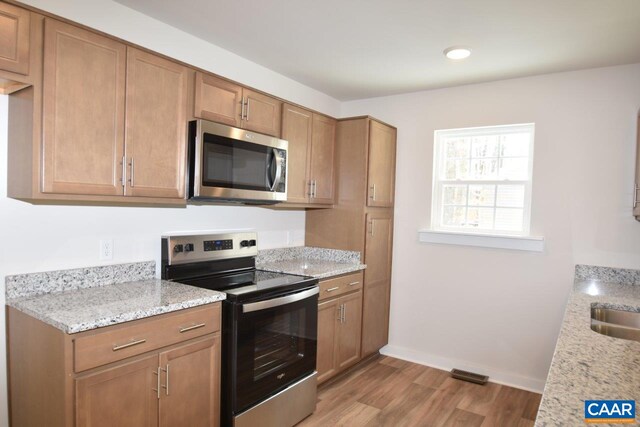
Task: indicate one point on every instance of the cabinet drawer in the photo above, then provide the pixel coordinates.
(119, 342)
(340, 285)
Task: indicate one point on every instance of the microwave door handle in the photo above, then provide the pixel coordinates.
(277, 157)
(276, 302)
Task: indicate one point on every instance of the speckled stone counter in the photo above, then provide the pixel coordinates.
(587, 365)
(74, 306)
(308, 261)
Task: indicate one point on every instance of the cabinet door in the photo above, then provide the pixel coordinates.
(83, 111)
(377, 282)
(119, 396)
(382, 165)
(328, 315)
(156, 126)
(296, 128)
(217, 100)
(262, 113)
(191, 384)
(348, 342)
(322, 165)
(14, 34)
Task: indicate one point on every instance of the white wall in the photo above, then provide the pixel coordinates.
(499, 311)
(39, 238)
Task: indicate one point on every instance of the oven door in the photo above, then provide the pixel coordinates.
(276, 345)
(232, 163)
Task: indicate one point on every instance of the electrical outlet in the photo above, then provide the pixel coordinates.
(106, 249)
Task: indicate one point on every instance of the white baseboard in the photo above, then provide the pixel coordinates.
(438, 362)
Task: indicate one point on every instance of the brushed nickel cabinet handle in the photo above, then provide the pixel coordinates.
(157, 389)
(315, 188)
(344, 313)
(166, 386)
(371, 227)
(373, 192)
(129, 344)
(246, 117)
(333, 289)
(132, 169)
(635, 196)
(192, 327)
(242, 108)
(340, 313)
(124, 171)
(353, 283)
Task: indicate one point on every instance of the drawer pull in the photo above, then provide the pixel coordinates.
(333, 289)
(353, 283)
(192, 327)
(129, 344)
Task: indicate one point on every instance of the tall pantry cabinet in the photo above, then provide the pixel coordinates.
(362, 217)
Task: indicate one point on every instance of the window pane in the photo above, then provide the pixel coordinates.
(457, 148)
(484, 169)
(514, 145)
(509, 219)
(514, 169)
(455, 195)
(482, 195)
(510, 196)
(485, 146)
(453, 216)
(457, 169)
(481, 218)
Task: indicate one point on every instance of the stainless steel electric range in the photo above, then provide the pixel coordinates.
(269, 327)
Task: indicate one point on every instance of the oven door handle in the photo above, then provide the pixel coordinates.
(276, 302)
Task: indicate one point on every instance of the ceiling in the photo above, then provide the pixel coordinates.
(353, 49)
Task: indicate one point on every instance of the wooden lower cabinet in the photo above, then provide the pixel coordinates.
(339, 328)
(119, 396)
(173, 383)
(190, 395)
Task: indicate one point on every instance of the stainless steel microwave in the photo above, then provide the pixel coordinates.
(231, 164)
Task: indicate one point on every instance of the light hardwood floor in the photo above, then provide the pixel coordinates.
(390, 392)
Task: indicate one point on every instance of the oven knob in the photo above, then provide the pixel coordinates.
(252, 242)
(178, 248)
(188, 247)
(245, 244)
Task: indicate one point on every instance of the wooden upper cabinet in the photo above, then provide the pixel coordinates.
(14, 39)
(190, 385)
(296, 128)
(83, 111)
(382, 165)
(262, 113)
(156, 126)
(119, 396)
(225, 102)
(377, 281)
(322, 162)
(218, 100)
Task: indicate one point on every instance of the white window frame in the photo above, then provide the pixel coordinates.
(438, 183)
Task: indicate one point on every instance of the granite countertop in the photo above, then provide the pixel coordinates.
(587, 365)
(86, 298)
(308, 261)
(84, 309)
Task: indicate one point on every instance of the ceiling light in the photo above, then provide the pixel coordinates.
(457, 52)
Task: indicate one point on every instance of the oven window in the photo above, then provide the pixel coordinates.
(234, 164)
(279, 343)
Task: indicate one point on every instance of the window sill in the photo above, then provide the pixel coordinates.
(519, 243)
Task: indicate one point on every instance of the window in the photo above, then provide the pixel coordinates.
(482, 180)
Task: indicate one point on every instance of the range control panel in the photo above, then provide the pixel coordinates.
(179, 249)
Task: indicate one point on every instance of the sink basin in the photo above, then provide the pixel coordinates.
(616, 323)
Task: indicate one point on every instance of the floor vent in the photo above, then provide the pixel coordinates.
(469, 376)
